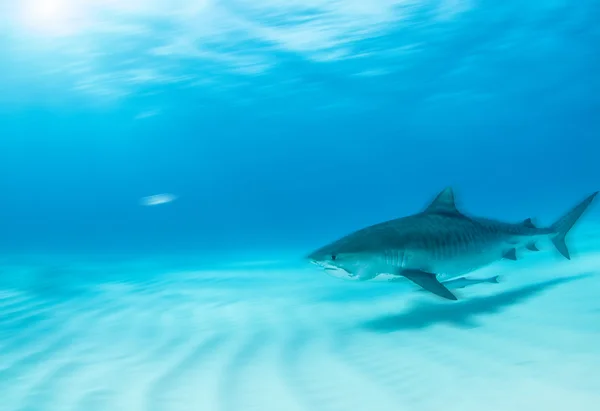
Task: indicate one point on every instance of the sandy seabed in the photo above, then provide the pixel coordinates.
(138, 335)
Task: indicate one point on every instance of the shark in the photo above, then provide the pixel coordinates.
(439, 244)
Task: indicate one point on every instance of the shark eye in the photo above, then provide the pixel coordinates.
(333, 257)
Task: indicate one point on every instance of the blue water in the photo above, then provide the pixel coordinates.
(279, 126)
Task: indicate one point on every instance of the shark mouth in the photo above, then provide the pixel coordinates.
(325, 266)
(333, 270)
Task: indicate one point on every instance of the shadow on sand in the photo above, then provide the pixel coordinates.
(461, 314)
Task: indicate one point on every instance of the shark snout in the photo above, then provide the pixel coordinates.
(319, 262)
(314, 257)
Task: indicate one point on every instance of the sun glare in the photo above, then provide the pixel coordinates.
(52, 17)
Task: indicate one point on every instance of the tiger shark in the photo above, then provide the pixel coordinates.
(439, 244)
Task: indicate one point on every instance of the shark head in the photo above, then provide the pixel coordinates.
(335, 261)
(325, 258)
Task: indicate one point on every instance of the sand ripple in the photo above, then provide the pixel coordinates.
(294, 340)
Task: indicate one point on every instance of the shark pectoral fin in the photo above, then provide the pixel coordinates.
(429, 282)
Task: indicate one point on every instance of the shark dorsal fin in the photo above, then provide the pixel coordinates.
(443, 203)
(528, 223)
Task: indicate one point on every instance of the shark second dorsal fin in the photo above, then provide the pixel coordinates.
(443, 203)
(528, 223)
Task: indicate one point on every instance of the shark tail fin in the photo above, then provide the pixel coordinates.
(566, 222)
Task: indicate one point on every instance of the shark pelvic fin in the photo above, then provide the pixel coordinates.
(532, 247)
(429, 282)
(528, 223)
(510, 254)
(443, 203)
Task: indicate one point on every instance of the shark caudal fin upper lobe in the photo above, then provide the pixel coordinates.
(566, 222)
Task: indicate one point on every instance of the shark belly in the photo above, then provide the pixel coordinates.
(451, 265)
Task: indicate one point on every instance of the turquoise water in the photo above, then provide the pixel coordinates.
(267, 129)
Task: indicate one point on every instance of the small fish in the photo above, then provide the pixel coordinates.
(439, 244)
(157, 199)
